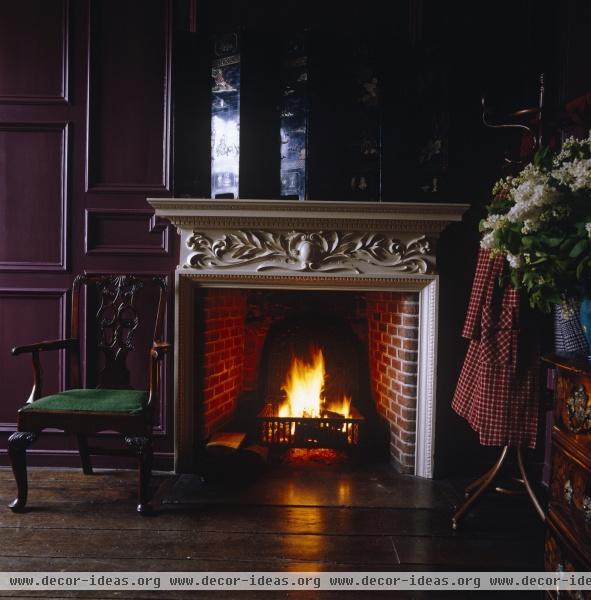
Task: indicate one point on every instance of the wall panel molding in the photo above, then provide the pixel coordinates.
(139, 222)
(60, 294)
(62, 97)
(62, 129)
(106, 162)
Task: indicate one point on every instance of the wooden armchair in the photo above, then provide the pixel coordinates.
(113, 405)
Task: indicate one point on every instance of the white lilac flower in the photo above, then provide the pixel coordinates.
(531, 195)
(494, 222)
(514, 261)
(503, 185)
(588, 229)
(530, 225)
(487, 242)
(571, 149)
(576, 174)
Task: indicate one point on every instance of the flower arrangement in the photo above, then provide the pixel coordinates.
(541, 221)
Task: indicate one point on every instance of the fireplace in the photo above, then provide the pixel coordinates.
(263, 286)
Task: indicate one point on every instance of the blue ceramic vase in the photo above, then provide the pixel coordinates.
(585, 316)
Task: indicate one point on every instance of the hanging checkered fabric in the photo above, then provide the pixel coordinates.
(497, 391)
(568, 333)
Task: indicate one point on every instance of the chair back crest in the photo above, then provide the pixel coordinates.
(117, 320)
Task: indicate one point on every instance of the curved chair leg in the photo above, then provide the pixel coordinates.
(17, 452)
(84, 454)
(142, 447)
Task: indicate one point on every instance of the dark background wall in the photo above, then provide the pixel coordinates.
(106, 102)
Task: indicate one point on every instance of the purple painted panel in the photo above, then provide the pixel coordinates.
(34, 51)
(41, 166)
(125, 231)
(33, 196)
(21, 313)
(129, 96)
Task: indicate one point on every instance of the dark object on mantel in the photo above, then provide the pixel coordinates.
(568, 539)
(113, 405)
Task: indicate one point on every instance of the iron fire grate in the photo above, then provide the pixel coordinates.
(333, 431)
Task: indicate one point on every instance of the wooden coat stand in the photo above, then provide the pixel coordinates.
(476, 489)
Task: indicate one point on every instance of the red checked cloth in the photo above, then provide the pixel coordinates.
(497, 392)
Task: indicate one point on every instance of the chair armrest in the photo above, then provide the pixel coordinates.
(159, 349)
(44, 346)
(34, 350)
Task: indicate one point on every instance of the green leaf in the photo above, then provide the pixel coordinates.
(553, 242)
(578, 248)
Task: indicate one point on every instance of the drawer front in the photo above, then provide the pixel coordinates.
(570, 490)
(573, 410)
(557, 558)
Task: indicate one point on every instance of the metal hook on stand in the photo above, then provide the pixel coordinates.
(535, 114)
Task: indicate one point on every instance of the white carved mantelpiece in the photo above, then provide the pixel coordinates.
(306, 245)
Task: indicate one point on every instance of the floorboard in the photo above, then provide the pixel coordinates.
(304, 519)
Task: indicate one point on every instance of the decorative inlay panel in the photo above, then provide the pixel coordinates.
(316, 251)
(578, 410)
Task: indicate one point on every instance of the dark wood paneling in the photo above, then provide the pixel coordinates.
(34, 51)
(45, 115)
(575, 16)
(128, 96)
(125, 231)
(33, 196)
(42, 311)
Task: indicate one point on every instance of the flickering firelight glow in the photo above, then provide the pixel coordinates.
(304, 387)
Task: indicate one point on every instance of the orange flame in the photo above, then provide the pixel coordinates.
(304, 388)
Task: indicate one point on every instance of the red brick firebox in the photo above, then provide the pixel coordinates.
(222, 343)
(393, 326)
(230, 345)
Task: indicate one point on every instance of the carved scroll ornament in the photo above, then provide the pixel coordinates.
(319, 251)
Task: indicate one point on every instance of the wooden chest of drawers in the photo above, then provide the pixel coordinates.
(568, 539)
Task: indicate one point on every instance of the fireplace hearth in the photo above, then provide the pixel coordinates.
(379, 258)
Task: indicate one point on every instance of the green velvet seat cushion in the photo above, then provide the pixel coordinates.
(120, 401)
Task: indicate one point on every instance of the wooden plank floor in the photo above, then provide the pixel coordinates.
(325, 518)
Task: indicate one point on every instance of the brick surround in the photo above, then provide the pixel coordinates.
(393, 326)
(236, 324)
(222, 341)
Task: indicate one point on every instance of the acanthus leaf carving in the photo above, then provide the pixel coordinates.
(315, 251)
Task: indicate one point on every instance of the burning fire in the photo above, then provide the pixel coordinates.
(304, 386)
